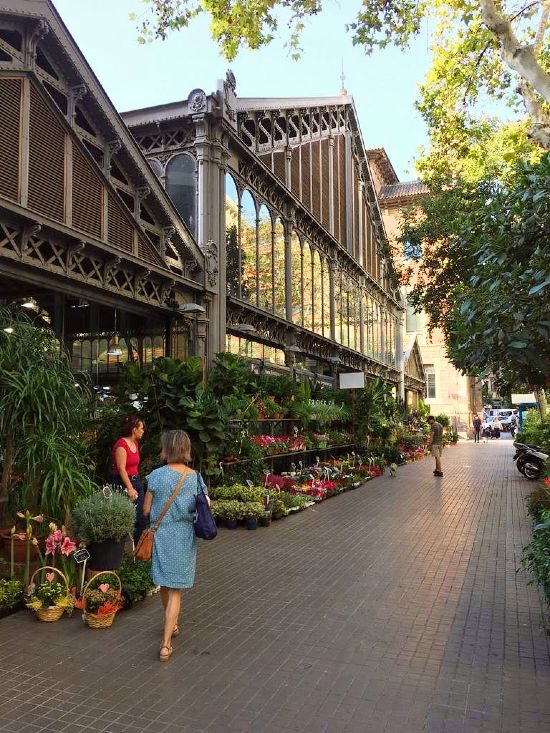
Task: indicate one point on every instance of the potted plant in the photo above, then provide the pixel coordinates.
(11, 596)
(101, 599)
(279, 509)
(252, 511)
(265, 519)
(50, 598)
(103, 523)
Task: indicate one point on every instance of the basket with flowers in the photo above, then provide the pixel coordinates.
(101, 603)
(50, 597)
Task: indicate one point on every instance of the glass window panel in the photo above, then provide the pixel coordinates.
(156, 166)
(147, 350)
(279, 268)
(233, 275)
(296, 263)
(317, 278)
(181, 186)
(249, 289)
(308, 287)
(326, 298)
(158, 347)
(265, 260)
(338, 309)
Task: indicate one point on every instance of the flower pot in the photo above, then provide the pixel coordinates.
(251, 523)
(96, 621)
(231, 523)
(105, 555)
(276, 516)
(265, 521)
(19, 547)
(53, 613)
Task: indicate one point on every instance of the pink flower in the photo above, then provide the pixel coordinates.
(51, 545)
(52, 526)
(50, 577)
(104, 587)
(57, 535)
(39, 518)
(21, 536)
(68, 546)
(20, 514)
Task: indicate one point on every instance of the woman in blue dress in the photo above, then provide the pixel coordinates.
(175, 545)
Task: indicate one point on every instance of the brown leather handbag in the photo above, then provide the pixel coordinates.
(144, 547)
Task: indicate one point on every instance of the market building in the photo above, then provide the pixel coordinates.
(209, 224)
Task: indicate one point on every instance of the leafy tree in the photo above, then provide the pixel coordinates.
(481, 48)
(485, 273)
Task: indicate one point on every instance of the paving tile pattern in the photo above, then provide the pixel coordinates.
(395, 608)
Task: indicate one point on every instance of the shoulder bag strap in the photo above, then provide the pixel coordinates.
(169, 502)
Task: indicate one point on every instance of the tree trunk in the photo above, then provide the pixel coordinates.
(540, 394)
(523, 60)
(7, 467)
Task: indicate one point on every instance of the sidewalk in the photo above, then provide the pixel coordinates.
(395, 608)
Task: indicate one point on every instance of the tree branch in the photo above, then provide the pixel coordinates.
(543, 24)
(519, 58)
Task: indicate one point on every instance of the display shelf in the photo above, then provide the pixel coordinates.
(291, 453)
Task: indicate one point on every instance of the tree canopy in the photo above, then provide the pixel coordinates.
(484, 275)
(480, 48)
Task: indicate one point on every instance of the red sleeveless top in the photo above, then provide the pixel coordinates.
(132, 458)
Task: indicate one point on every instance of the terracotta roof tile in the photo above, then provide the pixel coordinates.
(402, 190)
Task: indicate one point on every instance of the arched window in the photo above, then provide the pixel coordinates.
(181, 186)
(157, 167)
(296, 262)
(265, 259)
(338, 307)
(232, 253)
(248, 237)
(279, 268)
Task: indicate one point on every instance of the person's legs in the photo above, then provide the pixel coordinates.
(164, 596)
(436, 453)
(171, 615)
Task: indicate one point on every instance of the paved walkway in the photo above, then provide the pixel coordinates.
(394, 608)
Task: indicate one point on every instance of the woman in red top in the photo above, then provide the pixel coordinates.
(125, 455)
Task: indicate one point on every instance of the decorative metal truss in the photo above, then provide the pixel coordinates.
(270, 129)
(29, 247)
(277, 332)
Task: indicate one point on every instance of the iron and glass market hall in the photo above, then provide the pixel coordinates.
(208, 224)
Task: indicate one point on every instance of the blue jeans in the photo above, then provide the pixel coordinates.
(137, 483)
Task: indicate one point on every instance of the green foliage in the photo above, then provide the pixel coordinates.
(485, 277)
(252, 510)
(538, 502)
(376, 410)
(535, 431)
(279, 508)
(11, 593)
(224, 509)
(43, 413)
(231, 375)
(443, 419)
(238, 492)
(135, 576)
(536, 555)
(96, 518)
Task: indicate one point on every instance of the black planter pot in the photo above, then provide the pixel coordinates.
(105, 555)
(251, 523)
(231, 523)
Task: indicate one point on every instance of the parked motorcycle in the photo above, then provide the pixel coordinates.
(530, 460)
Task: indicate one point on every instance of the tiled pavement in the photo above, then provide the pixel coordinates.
(394, 608)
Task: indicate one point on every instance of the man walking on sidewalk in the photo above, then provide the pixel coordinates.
(436, 443)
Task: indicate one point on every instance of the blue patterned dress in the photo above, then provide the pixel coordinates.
(175, 544)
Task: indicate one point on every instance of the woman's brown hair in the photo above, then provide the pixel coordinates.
(175, 446)
(130, 423)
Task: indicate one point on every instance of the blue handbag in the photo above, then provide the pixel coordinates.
(203, 521)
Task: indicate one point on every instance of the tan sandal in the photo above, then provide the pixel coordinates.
(176, 631)
(165, 657)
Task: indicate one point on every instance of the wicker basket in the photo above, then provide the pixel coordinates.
(102, 621)
(52, 613)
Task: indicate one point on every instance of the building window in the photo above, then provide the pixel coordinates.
(181, 186)
(430, 381)
(412, 320)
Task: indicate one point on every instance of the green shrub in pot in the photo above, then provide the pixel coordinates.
(96, 519)
(103, 523)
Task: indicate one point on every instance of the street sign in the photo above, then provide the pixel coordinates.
(352, 380)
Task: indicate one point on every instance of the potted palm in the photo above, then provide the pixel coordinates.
(103, 523)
